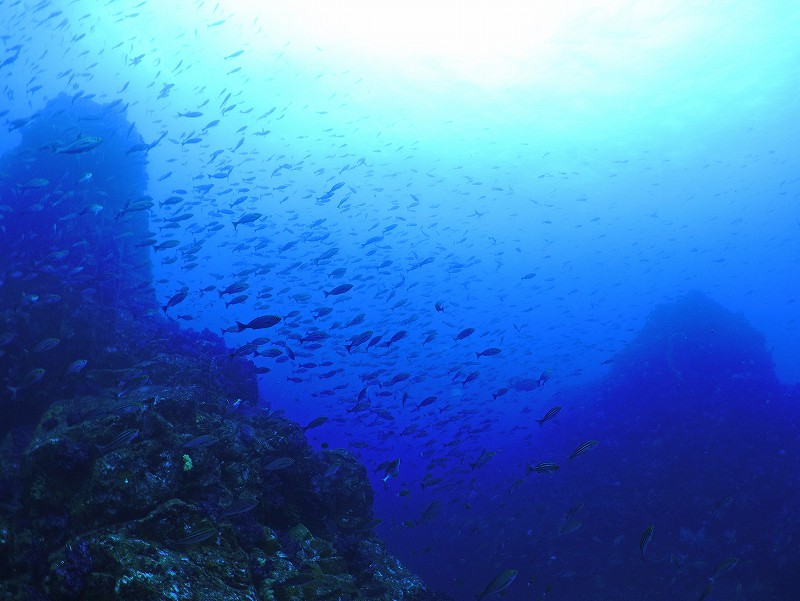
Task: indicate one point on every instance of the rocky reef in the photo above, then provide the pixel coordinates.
(74, 269)
(693, 345)
(136, 461)
(180, 491)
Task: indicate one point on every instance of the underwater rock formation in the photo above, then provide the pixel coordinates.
(71, 267)
(178, 493)
(694, 435)
(135, 463)
(72, 218)
(694, 344)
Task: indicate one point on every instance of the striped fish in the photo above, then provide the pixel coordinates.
(200, 442)
(498, 584)
(75, 367)
(119, 441)
(645, 540)
(548, 416)
(196, 537)
(238, 507)
(46, 345)
(569, 526)
(545, 467)
(582, 448)
(279, 464)
(725, 567)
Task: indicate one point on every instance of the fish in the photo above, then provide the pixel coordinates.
(321, 312)
(527, 385)
(234, 288)
(194, 538)
(79, 146)
(177, 298)
(724, 567)
(548, 416)
(119, 441)
(200, 442)
(464, 333)
(374, 341)
(236, 300)
(94, 209)
(391, 469)
(138, 148)
(279, 464)
(340, 289)
(647, 535)
(489, 352)
(165, 245)
(143, 204)
(545, 467)
(498, 584)
(34, 184)
(245, 349)
(583, 447)
(315, 423)
(238, 507)
(397, 378)
(326, 255)
(427, 401)
(372, 240)
(29, 379)
(397, 337)
(129, 407)
(330, 192)
(316, 336)
(75, 367)
(246, 218)
(132, 383)
(569, 526)
(358, 340)
(482, 459)
(259, 323)
(431, 511)
(287, 246)
(721, 505)
(471, 377)
(45, 345)
(181, 217)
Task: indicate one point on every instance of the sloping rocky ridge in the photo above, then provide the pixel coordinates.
(176, 491)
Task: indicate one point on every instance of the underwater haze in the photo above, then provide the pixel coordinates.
(535, 263)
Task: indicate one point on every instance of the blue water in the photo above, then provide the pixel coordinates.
(548, 176)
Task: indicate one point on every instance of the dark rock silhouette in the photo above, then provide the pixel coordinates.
(136, 464)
